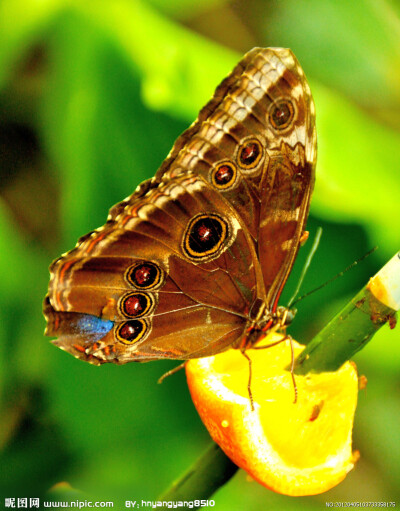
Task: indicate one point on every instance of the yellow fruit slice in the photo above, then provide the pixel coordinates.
(301, 448)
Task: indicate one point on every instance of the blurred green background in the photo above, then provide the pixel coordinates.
(92, 97)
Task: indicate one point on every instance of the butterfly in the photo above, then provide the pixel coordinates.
(194, 261)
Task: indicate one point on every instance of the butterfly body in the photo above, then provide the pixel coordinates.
(194, 261)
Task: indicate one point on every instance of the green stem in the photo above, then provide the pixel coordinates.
(212, 470)
(348, 332)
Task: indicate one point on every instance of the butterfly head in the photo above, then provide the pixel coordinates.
(284, 316)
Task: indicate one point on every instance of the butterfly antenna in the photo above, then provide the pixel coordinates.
(336, 276)
(306, 266)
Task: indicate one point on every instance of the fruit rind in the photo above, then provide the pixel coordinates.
(301, 448)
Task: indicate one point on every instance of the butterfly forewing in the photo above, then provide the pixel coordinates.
(255, 142)
(179, 266)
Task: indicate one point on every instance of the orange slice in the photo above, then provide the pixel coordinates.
(301, 448)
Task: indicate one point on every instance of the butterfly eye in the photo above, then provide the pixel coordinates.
(250, 154)
(131, 331)
(135, 305)
(224, 175)
(204, 236)
(281, 114)
(144, 275)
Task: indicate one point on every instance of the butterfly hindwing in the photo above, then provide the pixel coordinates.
(150, 270)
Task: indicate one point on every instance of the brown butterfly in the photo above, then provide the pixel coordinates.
(194, 261)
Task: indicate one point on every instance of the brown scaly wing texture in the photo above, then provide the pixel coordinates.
(255, 142)
(149, 285)
(175, 270)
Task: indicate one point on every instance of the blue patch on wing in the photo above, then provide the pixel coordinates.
(93, 327)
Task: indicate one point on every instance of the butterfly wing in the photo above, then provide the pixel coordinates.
(255, 142)
(171, 276)
(233, 193)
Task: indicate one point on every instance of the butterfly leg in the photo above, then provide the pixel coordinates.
(270, 345)
(292, 368)
(171, 371)
(292, 359)
(249, 381)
